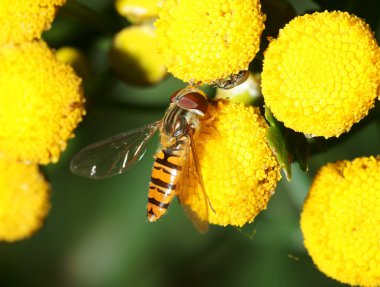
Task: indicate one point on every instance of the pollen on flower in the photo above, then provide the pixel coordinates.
(340, 221)
(320, 76)
(41, 102)
(138, 11)
(25, 20)
(134, 58)
(24, 200)
(209, 40)
(239, 169)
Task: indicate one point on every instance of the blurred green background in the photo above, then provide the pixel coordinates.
(97, 233)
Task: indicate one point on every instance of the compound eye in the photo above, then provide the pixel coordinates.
(194, 101)
(172, 97)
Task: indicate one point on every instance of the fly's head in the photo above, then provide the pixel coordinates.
(191, 99)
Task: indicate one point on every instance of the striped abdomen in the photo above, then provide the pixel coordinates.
(165, 175)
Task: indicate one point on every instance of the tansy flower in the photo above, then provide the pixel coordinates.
(75, 58)
(340, 221)
(134, 57)
(320, 75)
(239, 169)
(41, 102)
(203, 41)
(25, 20)
(24, 200)
(138, 11)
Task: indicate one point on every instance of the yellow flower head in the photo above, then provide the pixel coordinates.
(340, 221)
(24, 200)
(138, 11)
(134, 58)
(203, 41)
(41, 102)
(25, 20)
(239, 169)
(75, 58)
(320, 75)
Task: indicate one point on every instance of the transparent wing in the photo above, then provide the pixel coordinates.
(191, 191)
(113, 155)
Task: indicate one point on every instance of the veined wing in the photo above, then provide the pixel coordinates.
(191, 191)
(113, 155)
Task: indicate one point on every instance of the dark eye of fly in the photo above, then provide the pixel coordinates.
(193, 101)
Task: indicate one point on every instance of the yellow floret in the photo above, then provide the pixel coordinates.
(340, 221)
(41, 102)
(134, 57)
(239, 169)
(25, 20)
(24, 200)
(138, 11)
(320, 75)
(209, 40)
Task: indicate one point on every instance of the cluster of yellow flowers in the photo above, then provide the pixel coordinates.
(320, 76)
(41, 102)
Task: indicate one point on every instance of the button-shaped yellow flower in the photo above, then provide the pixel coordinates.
(24, 200)
(134, 56)
(320, 75)
(340, 221)
(25, 20)
(76, 59)
(203, 41)
(138, 11)
(239, 169)
(41, 102)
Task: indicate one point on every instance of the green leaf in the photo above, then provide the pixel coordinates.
(276, 136)
(287, 145)
(301, 150)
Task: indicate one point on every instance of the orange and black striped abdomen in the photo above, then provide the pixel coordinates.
(165, 175)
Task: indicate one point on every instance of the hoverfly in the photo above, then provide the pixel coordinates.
(176, 170)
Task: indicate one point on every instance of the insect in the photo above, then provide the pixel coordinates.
(232, 80)
(176, 169)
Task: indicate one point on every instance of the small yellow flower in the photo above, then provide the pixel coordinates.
(340, 221)
(239, 169)
(75, 58)
(321, 76)
(25, 20)
(41, 102)
(134, 57)
(138, 11)
(203, 41)
(24, 200)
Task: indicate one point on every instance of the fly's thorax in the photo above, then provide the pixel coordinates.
(177, 123)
